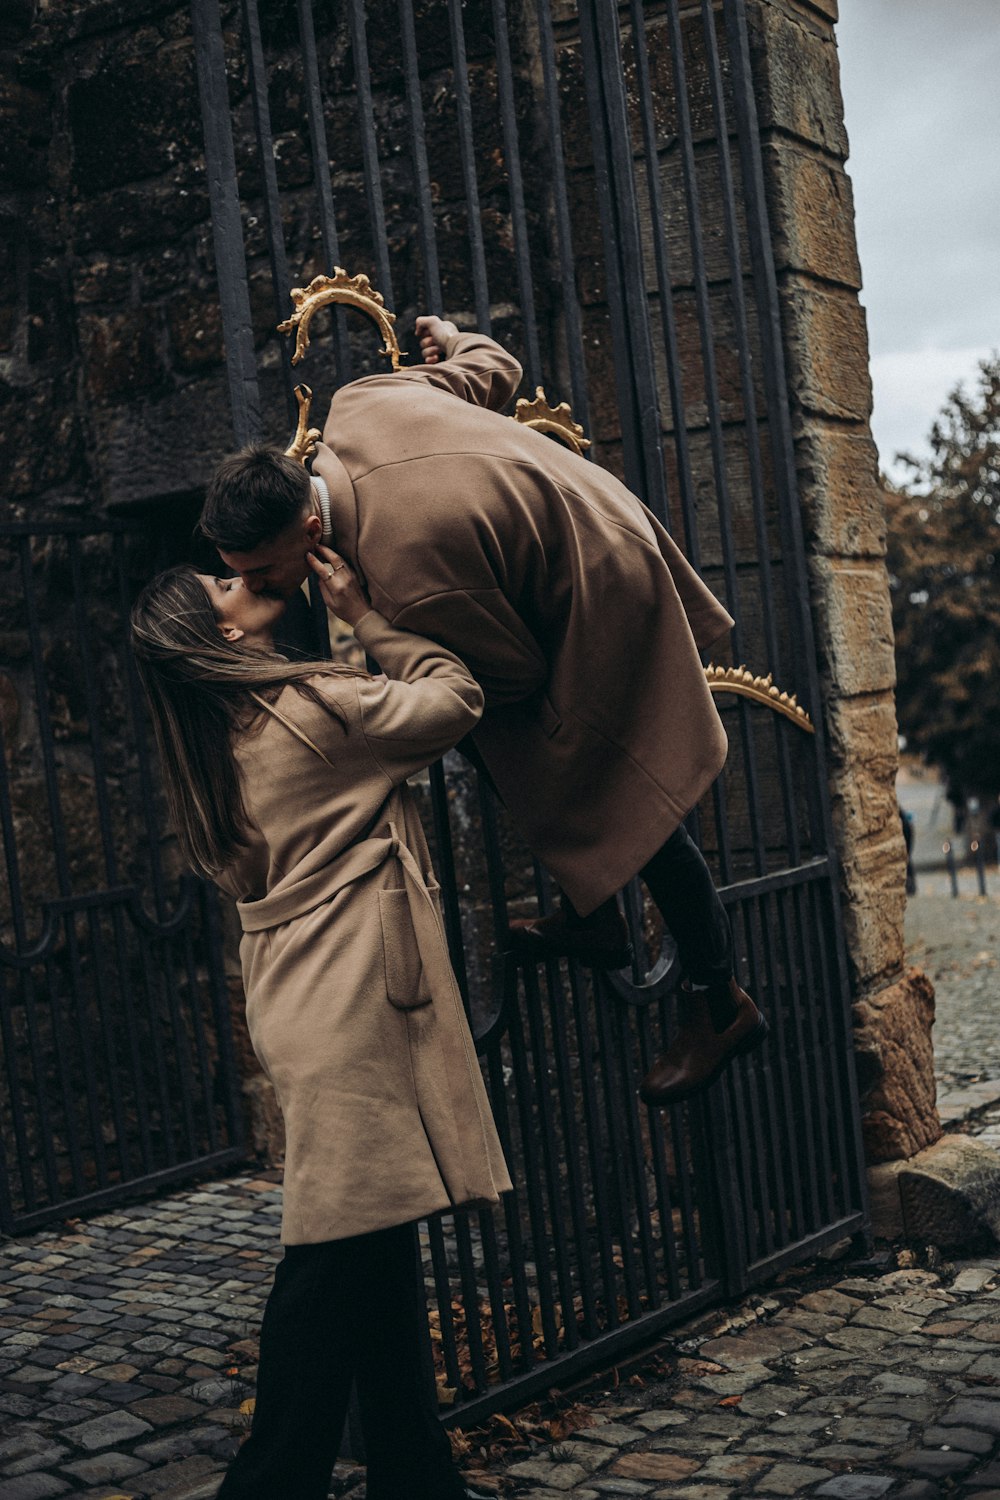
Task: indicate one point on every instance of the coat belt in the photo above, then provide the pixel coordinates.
(286, 902)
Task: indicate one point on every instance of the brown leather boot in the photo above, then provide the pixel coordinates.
(599, 941)
(699, 1053)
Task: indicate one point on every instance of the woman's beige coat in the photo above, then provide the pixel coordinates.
(352, 1004)
(564, 596)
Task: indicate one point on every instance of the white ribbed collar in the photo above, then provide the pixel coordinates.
(323, 497)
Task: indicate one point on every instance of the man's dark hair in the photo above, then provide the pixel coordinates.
(253, 495)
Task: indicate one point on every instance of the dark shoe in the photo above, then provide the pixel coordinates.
(699, 1053)
(599, 942)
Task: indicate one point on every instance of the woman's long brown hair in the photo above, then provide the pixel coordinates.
(202, 690)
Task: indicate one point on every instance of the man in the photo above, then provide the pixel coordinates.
(577, 614)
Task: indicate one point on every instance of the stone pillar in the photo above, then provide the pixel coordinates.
(805, 147)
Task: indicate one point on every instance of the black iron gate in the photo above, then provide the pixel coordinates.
(116, 1073)
(585, 181)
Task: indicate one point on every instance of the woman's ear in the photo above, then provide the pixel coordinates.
(232, 633)
(313, 530)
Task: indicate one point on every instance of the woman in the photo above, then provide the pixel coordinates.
(285, 784)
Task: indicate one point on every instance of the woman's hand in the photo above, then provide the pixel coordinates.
(340, 588)
(433, 334)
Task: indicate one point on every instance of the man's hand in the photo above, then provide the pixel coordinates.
(340, 589)
(433, 334)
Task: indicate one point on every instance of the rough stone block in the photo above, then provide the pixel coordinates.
(895, 1059)
(951, 1192)
(812, 214)
(827, 349)
(872, 919)
(797, 78)
(884, 1199)
(856, 640)
(841, 493)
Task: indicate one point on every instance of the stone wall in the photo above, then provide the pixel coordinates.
(826, 343)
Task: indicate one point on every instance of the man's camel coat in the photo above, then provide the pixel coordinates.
(564, 596)
(352, 1004)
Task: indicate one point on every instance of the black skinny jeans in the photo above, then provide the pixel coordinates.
(337, 1311)
(681, 884)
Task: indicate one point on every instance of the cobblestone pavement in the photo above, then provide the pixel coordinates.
(118, 1339)
(867, 1386)
(957, 943)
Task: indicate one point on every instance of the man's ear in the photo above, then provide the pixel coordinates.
(313, 530)
(232, 633)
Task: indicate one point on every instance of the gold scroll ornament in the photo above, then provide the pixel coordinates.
(557, 421)
(322, 291)
(761, 690)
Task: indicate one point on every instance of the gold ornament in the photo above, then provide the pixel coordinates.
(353, 291)
(303, 444)
(557, 420)
(762, 690)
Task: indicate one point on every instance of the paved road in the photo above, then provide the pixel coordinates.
(118, 1339)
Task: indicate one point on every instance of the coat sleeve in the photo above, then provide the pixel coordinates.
(428, 704)
(474, 368)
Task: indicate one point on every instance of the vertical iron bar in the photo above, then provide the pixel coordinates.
(596, 1145)
(221, 1014)
(571, 1146)
(449, 883)
(634, 1158)
(442, 1291)
(802, 1109)
(551, 1153)
(533, 1177)
(321, 173)
(12, 1054)
(564, 235)
(227, 226)
(664, 283)
(470, 1299)
(603, 1004)
(110, 1049)
(657, 1147)
(511, 1201)
(494, 1284)
(369, 149)
(813, 1051)
(463, 106)
(421, 171)
(518, 216)
(280, 278)
(635, 371)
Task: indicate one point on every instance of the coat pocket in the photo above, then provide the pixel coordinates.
(405, 982)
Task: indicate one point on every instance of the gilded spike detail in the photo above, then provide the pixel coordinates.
(761, 689)
(352, 291)
(303, 444)
(556, 420)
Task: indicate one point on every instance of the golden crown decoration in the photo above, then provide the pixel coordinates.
(351, 291)
(761, 690)
(555, 420)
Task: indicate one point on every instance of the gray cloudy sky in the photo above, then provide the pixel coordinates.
(921, 83)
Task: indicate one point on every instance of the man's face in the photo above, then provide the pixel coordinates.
(277, 567)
